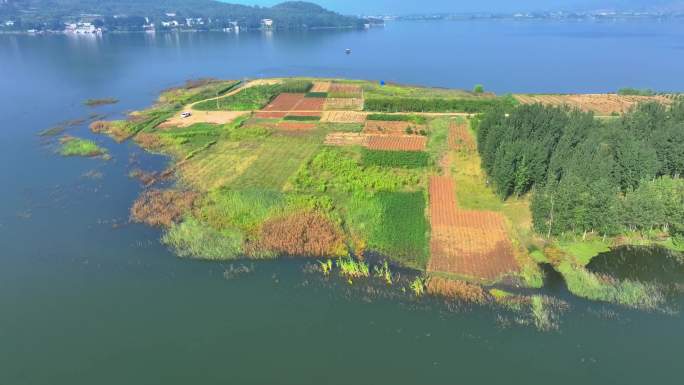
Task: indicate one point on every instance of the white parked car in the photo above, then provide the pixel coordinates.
(186, 114)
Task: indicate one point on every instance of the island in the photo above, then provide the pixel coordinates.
(471, 191)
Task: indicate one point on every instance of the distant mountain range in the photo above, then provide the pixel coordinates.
(136, 14)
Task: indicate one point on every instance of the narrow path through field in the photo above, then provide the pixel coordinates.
(466, 243)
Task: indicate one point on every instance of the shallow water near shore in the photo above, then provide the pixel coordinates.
(88, 298)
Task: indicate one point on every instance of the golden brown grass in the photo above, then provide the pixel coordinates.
(308, 234)
(162, 208)
(457, 289)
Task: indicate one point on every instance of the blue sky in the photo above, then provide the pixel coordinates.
(424, 6)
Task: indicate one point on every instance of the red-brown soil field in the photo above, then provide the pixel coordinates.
(460, 138)
(396, 143)
(296, 126)
(284, 102)
(466, 243)
(270, 115)
(310, 104)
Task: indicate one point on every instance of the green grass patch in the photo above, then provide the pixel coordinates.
(416, 119)
(338, 169)
(191, 238)
(628, 91)
(396, 159)
(248, 99)
(341, 127)
(320, 95)
(586, 284)
(197, 90)
(186, 139)
(238, 209)
(400, 228)
(438, 139)
(300, 118)
(296, 86)
(80, 147)
(279, 157)
(583, 251)
(472, 192)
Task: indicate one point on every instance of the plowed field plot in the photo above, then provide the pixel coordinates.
(343, 117)
(260, 123)
(321, 87)
(310, 104)
(466, 243)
(346, 139)
(338, 90)
(396, 143)
(602, 104)
(460, 137)
(270, 115)
(379, 127)
(305, 113)
(296, 126)
(346, 104)
(284, 102)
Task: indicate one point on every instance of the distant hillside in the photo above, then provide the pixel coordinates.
(131, 14)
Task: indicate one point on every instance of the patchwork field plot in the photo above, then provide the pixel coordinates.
(321, 87)
(602, 104)
(338, 90)
(346, 104)
(379, 127)
(460, 138)
(346, 139)
(270, 114)
(284, 102)
(305, 113)
(466, 243)
(396, 143)
(278, 158)
(296, 126)
(310, 104)
(343, 117)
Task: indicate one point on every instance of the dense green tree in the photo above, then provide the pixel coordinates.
(587, 175)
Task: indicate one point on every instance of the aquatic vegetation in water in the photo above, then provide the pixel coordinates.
(540, 313)
(100, 102)
(383, 271)
(236, 271)
(418, 286)
(456, 289)
(53, 131)
(72, 146)
(352, 269)
(326, 266)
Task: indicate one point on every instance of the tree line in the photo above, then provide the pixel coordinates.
(130, 15)
(586, 174)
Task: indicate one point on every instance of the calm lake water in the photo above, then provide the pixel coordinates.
(88, 299)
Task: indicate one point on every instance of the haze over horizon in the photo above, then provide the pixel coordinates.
(433, 6)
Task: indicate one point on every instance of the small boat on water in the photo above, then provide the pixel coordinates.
(347, 51)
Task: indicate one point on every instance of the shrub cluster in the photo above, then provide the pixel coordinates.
(435, 104)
